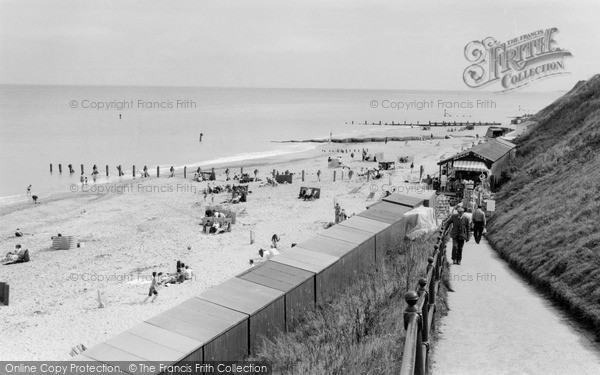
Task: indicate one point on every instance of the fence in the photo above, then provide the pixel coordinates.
(419, 316)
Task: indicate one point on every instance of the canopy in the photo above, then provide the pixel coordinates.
(477, 166)
(419, 222)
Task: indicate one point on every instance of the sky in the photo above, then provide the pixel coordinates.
(396, 44)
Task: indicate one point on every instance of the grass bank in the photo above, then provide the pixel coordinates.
(361, 330)
(548, 209)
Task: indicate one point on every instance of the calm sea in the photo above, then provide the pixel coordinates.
(155, 126)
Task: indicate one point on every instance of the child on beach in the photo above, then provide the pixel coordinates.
(29, 190)
(153, 288)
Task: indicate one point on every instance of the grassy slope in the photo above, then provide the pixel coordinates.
(360, 331)
(547, 222)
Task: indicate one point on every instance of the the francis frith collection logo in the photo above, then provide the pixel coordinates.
(515, 63)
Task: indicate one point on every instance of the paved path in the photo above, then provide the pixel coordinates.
(499, 324)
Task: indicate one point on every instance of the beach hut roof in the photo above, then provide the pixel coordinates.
(110, 355)
(165, 337)
(328, 245)
(196, 324)
(352, 235)
(277, 275)
(365, 224)
(149, 350)
(241, 295)
(490, 151)
(306, 259)
(385, 212)
(404, 200)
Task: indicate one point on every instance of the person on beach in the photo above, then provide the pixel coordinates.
(172, 170)
(343, 215)
(18, 233)
(35, 198)
(85, 182)
(412, 166)
(479, 223)
(319, 175)
(180, 276)
(153, 288)
(338, 209)
(274, 241)
(460, 233)
(29, 190)
(188, 272)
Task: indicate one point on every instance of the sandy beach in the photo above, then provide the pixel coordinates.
(152, 223)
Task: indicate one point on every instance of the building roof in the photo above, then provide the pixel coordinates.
(491, 151)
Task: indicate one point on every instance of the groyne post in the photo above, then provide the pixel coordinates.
(82, 169)
(184, 172)
(134, 171)
(303, 175)
(50, 167)
(241, 170)
(59, 168)
(107, 171)
(333, 176)
(157, 171)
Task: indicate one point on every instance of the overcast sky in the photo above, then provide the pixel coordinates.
(393, 44)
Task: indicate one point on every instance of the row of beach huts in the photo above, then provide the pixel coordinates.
(229, 321)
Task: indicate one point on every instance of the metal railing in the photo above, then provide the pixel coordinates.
(419, 316)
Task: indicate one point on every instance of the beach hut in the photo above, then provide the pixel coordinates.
(264, 306)
(297, 284)
(389, 213)
(322, 265)
(347, 255)
(381, 231)
(363, 241)
(221, 332)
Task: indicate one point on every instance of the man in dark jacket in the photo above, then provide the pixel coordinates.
(479, 223)
(460, 233)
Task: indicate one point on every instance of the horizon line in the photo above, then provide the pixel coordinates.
(466, 90)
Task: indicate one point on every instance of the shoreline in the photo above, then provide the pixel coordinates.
(257, 162)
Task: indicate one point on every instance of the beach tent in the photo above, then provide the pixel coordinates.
(4, 293)
(316, 192)
(419, 222)
(281, 178)
(334, 163)
(387, 165)
(63, 242)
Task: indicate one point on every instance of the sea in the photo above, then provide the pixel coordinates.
(161, 126)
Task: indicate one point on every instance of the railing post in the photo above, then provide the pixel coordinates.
(412, 315)
(424, 310)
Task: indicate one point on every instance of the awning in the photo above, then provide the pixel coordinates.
(477, 166)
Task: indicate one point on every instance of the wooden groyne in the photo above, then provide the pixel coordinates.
(429, 123)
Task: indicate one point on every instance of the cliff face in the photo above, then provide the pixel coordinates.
(547, 222)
